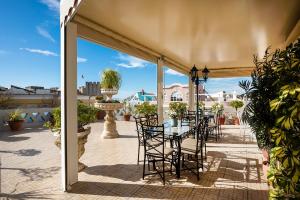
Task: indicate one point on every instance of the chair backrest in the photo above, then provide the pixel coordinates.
(188, 119)
(139, 121)
(154, 137)
(152, 119)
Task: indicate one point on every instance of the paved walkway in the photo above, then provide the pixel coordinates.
(30, 169)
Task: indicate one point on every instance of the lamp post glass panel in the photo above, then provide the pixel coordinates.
(195, 79)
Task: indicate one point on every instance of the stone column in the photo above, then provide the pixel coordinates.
(160, 89)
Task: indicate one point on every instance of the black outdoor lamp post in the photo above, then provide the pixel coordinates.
(195, 79)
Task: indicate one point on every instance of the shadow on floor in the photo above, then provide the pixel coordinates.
(36, 174)
(24, 152)
(164, 192)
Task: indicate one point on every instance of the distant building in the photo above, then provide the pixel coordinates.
(180, 92)
(141, 96)
(90, 89)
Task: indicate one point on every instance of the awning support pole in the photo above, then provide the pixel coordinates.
(69, 152)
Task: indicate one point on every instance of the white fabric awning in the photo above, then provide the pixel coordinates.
(223, 35)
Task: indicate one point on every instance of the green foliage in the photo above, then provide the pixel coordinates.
(177, 109)
(99, 98)
(15, 116)
(236, 104)
(145, 109)
(85, 115)
(284, 173)
(259, 93)
(217, 107)
(110, 79)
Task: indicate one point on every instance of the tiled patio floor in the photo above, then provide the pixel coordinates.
(31, 169)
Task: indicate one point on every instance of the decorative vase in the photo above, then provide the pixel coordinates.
(174, 122)
(16, 125)
(82, 139)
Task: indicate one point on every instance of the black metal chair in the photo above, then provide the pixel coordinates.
(213, 126)
(193, 148)
(138, 122)
(152, 119)
(155, 151)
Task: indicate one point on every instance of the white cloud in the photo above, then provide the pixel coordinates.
(44, 33)
(173, 72)
(52, 4)
(131, 61)
(81, 60)
(39, 51)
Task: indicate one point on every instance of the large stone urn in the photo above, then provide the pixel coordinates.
(110, 128)
(82, 139)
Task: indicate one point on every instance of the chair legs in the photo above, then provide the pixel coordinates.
(138, 159)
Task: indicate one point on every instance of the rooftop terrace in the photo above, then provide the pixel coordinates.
(30, 168)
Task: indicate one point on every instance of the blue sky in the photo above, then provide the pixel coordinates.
(30, 54)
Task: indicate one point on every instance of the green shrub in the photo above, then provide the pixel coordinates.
(177, 109)
(146, 109)
(236, 104)
(217, 107)
(85, 115)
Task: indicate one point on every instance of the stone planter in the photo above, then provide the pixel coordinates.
(110, 128)
(82, 139)
(16, 125)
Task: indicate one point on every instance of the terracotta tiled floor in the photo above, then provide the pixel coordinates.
(30, 169)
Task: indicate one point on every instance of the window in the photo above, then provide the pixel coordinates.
(176, 96)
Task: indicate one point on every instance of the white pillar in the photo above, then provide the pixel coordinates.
(191, 95)
(160, 89)
(69, 152)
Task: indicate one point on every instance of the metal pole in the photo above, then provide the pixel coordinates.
(197, 101)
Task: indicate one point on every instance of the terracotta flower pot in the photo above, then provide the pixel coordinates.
(16, 125)
(100, 115)
(127, 117)
(236, 121)
(265, 162)
(222, 120)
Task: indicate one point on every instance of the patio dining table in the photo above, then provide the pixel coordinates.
(175, 135)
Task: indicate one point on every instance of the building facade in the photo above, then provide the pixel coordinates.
(90, 89)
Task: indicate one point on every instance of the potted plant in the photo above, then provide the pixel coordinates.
(110, 82)
(86, 115)
(176, 111)
(15, 120)
(236, 104)
(127, 111)
(218, 107)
